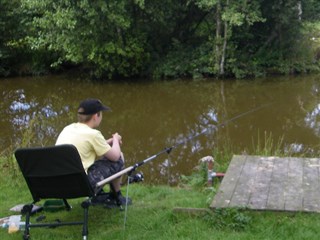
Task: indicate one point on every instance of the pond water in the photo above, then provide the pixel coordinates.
(151, 116)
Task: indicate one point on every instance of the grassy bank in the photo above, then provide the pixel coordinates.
(154, 214)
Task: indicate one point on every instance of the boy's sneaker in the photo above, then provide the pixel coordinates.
(101, 199)
(123, 201)
(109, 200)
(120, 199)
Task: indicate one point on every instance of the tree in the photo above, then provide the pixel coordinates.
(93, 34)
(167, 38)
(10, 31)
(229, 15)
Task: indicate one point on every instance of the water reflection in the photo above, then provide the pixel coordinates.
(27, 115)
(294, 148)
(153, 116)
(313, 120)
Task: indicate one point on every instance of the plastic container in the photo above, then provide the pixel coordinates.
(4, 225)
(14, 223)
(54, 205)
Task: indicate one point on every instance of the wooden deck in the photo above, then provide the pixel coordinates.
(270, 183)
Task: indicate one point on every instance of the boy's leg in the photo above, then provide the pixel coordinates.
(115, 184)
(103, 169)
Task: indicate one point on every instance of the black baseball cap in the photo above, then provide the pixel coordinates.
(91, 106)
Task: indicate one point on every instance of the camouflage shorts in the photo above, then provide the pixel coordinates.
(102, 169)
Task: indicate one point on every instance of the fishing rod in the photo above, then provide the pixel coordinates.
(169, 149)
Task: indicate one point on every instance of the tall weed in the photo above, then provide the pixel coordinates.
(229, 218)
(267, 146)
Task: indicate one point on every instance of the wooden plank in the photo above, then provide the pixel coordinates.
(271, 183)
(228, 184)
(245, 185)
(276, 199)
(311, 189)
(293, 191)
(259, 195)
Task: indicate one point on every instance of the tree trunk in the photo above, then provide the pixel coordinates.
(218, 36)
(224, 47)
(299, 6)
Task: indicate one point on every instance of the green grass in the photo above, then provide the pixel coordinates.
(153, 215)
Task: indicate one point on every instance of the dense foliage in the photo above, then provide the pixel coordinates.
(160, 39)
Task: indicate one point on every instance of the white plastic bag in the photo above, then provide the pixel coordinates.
(14, 223)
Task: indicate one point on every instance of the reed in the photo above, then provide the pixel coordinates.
(223, 154)
(267, 146)
(9, 166)
(28, 135)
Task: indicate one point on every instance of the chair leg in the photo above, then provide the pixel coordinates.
(68, 207)
(27, 210)
(85, 205)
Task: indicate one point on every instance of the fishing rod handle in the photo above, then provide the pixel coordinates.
(124, 171)
(114, 176)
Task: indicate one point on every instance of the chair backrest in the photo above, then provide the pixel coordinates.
(54, 172)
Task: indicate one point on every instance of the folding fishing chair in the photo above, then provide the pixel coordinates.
(54, 172)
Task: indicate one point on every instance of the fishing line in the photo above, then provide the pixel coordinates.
(216, 126)
(167, 150)
(126, 207)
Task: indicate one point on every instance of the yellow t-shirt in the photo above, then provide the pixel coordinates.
(89, 142)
